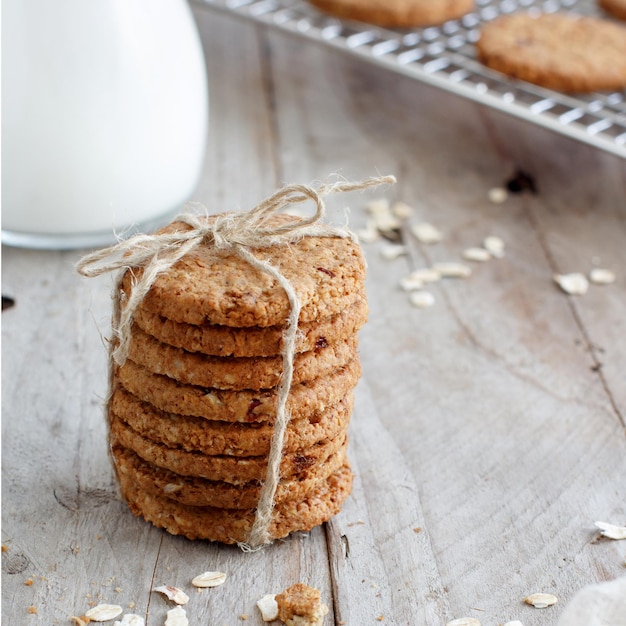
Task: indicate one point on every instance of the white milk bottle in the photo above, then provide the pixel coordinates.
(104, 121)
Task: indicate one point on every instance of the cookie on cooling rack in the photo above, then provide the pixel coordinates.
(560, 51)
(397, 13)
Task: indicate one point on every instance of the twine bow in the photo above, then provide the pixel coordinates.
(238, 232)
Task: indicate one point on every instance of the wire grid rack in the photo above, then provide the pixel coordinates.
(445, 56)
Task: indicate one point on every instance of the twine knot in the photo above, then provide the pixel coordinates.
(239, 232)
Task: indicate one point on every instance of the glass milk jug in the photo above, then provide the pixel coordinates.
(105, 114)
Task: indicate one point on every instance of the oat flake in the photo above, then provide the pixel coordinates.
(104, 612)
(268, 607)
(422, 299)
(426, 233)
(177, 617)
(209, 579)
(498, 195)
(452, 270)
(574, 284)
(173, 593)
(601, 276)
(130, 619)
(402, 210)
(611, 531)
(411, 283)
(378, 206)
(541, 600)
(494, 245)
(464, 621)
(392, 251)
(476, 254)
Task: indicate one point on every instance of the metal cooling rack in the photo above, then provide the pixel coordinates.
(445, 56)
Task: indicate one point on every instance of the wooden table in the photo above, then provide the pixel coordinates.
(489, 429)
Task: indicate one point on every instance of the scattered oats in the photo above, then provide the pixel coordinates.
(541, 600)
(28, 582)
(515, 622)
(386, 221)
(601, 276)
(131, 620)
(497, 195)
(104, 612)
(177, 617)
(411, 283)
(417, 278)
(83, 620)
(426, 233)
(173, 593)
(392, 251)
(494, 245)
(476, 254)
(422, 299)
(464, 621)
(574, 284)
(209, 579)
(268, 607)
(369, 233)
(427, 274)
(452, 270)
(402, 210)
(377, 206)
(611, 531)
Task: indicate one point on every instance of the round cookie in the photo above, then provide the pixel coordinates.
(560, 51)
(305, 399)
(219, 340)
(231, 438)
(617, 8)
(234, 525)
(202, 492)
(397, 13)
(235, 470)
(216, 286)
(193, 368)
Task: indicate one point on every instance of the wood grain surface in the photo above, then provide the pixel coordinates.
(489, 430)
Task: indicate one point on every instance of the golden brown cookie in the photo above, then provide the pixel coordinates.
(301, 605)
(234, 525)
(202, 492)
(215, 286)
(397, 13)
(305, 399)
(231, 438)
(235, 470)
(219, 340)
(193, 368)
(560, 51)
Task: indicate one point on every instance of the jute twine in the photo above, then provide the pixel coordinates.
(237, 232)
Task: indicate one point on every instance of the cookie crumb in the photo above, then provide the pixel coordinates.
(28, 582)
(301, 605)
(417, 529)
(83, 620)
(32, 610)
(5, 548)
(243, 617)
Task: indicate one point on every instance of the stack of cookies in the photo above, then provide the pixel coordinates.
(193, 407)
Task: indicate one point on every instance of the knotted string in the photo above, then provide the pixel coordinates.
(238, 232)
